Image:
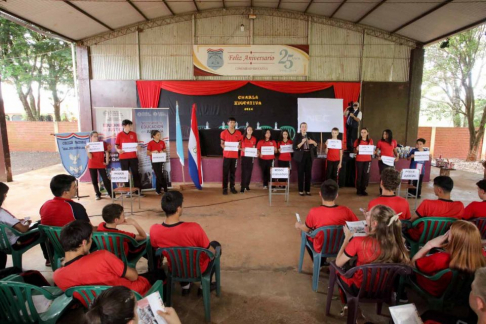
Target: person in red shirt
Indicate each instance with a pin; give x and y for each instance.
(97, 162)
(266, 160)
(442, 207)
(462, 250)
(390, 180)
(173, 232)
(387, 146)
(157, 145)
(102, 267)
(248, 141)
(477, 209)
(230, 156)
(363, 163)
(334, 157)
(284, 159)
(128, 160)
(382, 244)
(328, 214)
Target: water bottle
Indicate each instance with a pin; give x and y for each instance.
(258, 125)
(236, 125)
(247, 124)
(222, 125)
(207, 125)
(276, 127)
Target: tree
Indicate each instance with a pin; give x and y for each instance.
(450, 82)
(30, 60)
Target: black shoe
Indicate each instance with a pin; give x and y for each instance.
(233, 191)
(364, 193)
(212, 286)
(403, 298)
(186, 292)
(247, 188)
(225, 191)
(242, 190)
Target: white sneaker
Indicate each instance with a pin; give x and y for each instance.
(265, 187)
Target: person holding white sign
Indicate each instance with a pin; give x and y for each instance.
(363, 162)
(248, 141)
(230, 156)
(266, 151)
(97, 162)
(387, 148)
(419, 147)
(128, 160)
(284, 158)
(304, 154)
(157, 145)
(334, 151)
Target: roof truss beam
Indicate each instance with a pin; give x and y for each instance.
(195, 5)
(308, 6)
(337, 9)
(169, 8)
(428, 12)
(474, 24)
(370, 11)
(88, 15)
(138, 10)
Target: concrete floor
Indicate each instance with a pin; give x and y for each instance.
(260, 281)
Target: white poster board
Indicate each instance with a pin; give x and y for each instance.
(421, 156)
(388, 160)
(129, 147)
(268, 150)
(279, 173)
(159, 157)
(251, 152)
(321, 114)
(119, 176)
(366, 149)
(231, 146)
(96, 147)
(286, 148)
(410, 174)
(334, 144)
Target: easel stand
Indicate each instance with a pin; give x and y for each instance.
(77, 191)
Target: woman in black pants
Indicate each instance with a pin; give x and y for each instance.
(248, 141)
(387, 147)
(97, 164)
(304, 154)
(157, 145)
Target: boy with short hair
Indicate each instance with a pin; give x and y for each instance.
(230, 157)
(419, 147)
(334, 157)
(390, 180)
(477, 209)
(442, 207)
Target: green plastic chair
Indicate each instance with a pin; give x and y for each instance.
(266, 127)
(433, 227)
(221, 127)
(17, 306)
(333, 239)
(56, 253)
(114, 242)
(481, 225)
(187, 269)
(6, 247)
(289, 129)
(86, 294)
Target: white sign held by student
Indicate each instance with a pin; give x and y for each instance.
(421, 156)
(268, 150)
(280, 173)
(159, 157)
(366, 149)
(96, 147)
(357, 228)
(405, 314)
(129, 147)
(119, 176)
(388, 160)
(334, 144)
(251, 152)
(286, 148)
(410, 174)
(231, 146)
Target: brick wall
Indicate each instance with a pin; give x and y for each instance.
(36, 136)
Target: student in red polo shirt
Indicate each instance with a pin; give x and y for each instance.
(266, 161)
(284, 159)
(390, 180)
(97, 164)
(172, 232)
(442, 207)
(363, 163)
(157, 145)
(229, 156)
(128, 160)
(334, 157)
(461, 250)
(102, 267)
(248, 141)
(328, 214)
(477, 209)
(387, 146)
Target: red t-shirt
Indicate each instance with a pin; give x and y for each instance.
(285, 156)
(250, 143)
(228, 137)
(59, 212)
(155, 146)
(102, 228)
(266, 143)
(386, 149)
(436, 208)
(123, 137)
(181, 234)
(97, 159)
(430, 265)
(327, 216)
(367, 250)
(333, 154)
(97, 268)
(475, 209)
(398, 204)
(359, 157)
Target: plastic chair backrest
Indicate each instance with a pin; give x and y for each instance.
(481, 225)
(113, 242)
(266, 127)
(433, 227)
(332, 240)
(5, 245)
(184, 262)
(53, 233)
(86, 294)
(290, 129)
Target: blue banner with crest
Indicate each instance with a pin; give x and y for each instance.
(72, 149)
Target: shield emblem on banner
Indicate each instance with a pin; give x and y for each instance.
(215, 58)
(73, 153)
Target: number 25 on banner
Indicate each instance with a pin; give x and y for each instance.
(286, 59)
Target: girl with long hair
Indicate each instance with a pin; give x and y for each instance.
(97, 162)
(266, 160)
(157, 145)
(284, 159)
(248, 141)
(387, 147)
(363, 163)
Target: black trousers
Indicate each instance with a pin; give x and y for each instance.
(160, 181)
(229, 168)
(284, 164)
(246, 171)
(362, 175)
(332, 170)
(414, 183)
(304, 175)
(265, 165)
(351, 136)
(94, 180)
(132, 164)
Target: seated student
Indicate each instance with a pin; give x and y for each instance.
(20, 225)
(419, 147)
(82, 268)
(462, 250)
(113, 216)
(477, 298)
(382, 244)
(477, 209)
(172, 232)
(328, 214)
(118, 305)
(390, 180)
(61, 209)
(442, 207)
